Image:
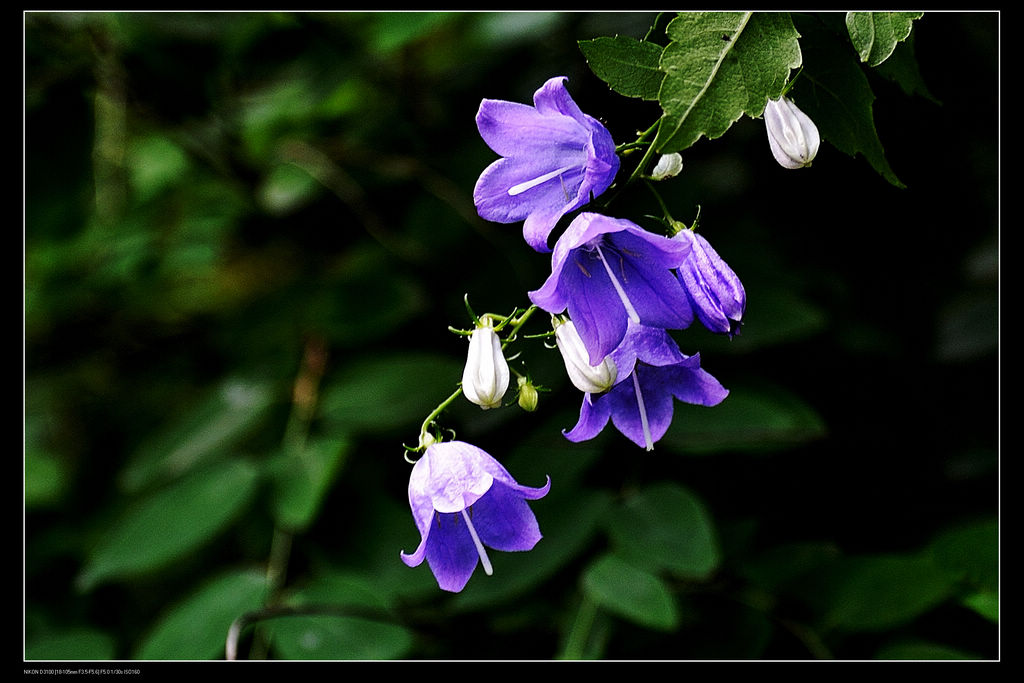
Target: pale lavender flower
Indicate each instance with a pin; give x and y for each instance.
(462, 500)
(554, 160)
(608, 272)
(792, 135)
(714, 290)
(654, 372)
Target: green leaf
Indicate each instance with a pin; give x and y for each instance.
(875, 34)
(155, 163)
(197, 627)
(629, 66)
(568, 523)
(171, 522)
(881, 592)
(921, 650)
(719, 66)
(384, 392)
(749, 419)
(984, 603)
(83, 644)
(666, 527)
(634, 594)
(902, 68)
(834, 92)
(970, 553)
(300, 481)
(202, 433)
(329, 637)
(287, 187)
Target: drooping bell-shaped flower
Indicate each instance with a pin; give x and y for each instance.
(463, 502)
(792, 135)
(486, 375)
(654, 372)
(554, 159)
(591, 379)
(714, 290)
(608, 272)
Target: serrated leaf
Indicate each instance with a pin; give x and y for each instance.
(629, 66)
(666, 527)
(718, 67)
(875, 34)
(631, 593)
(197, 627)
(834, 92)
(171, 522)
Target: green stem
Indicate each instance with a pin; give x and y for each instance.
(638, 171)
(576, 642)
(661, 203)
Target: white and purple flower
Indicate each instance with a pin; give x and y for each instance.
(653, 372)
(792, 135)
(463, 502)
(610, 272)
(554, 160)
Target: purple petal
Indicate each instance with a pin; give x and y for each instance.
(657, 403)
(594, 416)
(451, 554)
(642, 267)
(553, 98)
(495, 193)
(504, 520)
(691, 384)
(512, 129)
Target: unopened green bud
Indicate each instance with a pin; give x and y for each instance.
(527, 395)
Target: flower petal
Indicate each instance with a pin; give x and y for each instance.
(451, 554)
(594, 414)
(504, 520)
(691, 384)
(512, 129)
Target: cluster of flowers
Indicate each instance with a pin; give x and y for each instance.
(614, 291)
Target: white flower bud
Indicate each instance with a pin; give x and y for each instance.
(791, 133)
(587, 378)
(485, 378)
(668, 166)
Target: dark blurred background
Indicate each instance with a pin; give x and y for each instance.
(246, 236)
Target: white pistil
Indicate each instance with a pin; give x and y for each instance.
(633, 315)
(530, 184)
(648, 441)
(484, 560)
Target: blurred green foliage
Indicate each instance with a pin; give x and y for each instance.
(245, 237)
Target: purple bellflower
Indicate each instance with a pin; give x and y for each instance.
(554, 159)
(462, 500)
(714, 290)
(609, 272)
(654, 371)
